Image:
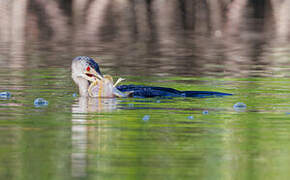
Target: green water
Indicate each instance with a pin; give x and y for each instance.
(79, 138)
(232, 46)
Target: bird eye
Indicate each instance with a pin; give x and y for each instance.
(88, 68)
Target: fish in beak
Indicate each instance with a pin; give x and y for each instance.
(106, 88)
(87, 75)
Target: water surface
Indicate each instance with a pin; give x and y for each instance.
(239, 47)
(80, 138)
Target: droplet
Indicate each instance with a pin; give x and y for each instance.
(5, 95)
(218, 33)
(205, 112)
(146, 118)
(190, 117)
(239, 106)
(39, 102)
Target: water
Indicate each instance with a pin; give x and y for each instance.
(71, 137)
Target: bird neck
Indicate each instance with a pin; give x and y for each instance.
(83, 87)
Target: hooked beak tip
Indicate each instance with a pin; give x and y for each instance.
(99, 76)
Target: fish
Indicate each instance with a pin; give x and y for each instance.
(106, 88)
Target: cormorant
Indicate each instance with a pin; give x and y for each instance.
(88, 77)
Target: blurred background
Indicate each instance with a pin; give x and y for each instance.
(149, 37)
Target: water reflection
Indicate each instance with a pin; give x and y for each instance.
(156, 37)
(80, 132)
(79, 143)
(88, 105)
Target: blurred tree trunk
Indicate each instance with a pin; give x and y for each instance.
(5, 20)
(189, 14)
(269, 20)
(79, 9)
(17, 38)
(235, 17)
(96, 18)
(56, 19)
(12, 30)
(201, 25)
(282, 18)
(19, 11)
(215, 13)
(142, 20)
(125, 20)
(167, 22)
(237, 49)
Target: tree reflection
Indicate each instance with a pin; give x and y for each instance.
(179, 37)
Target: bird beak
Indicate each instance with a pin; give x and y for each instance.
(92, 75)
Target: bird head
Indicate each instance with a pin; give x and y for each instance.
(84, 71)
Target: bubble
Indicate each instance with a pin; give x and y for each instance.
(39, 102)
(218, 33)
(190, 117)
(146, 118)
(239, 106)
(5, 95)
